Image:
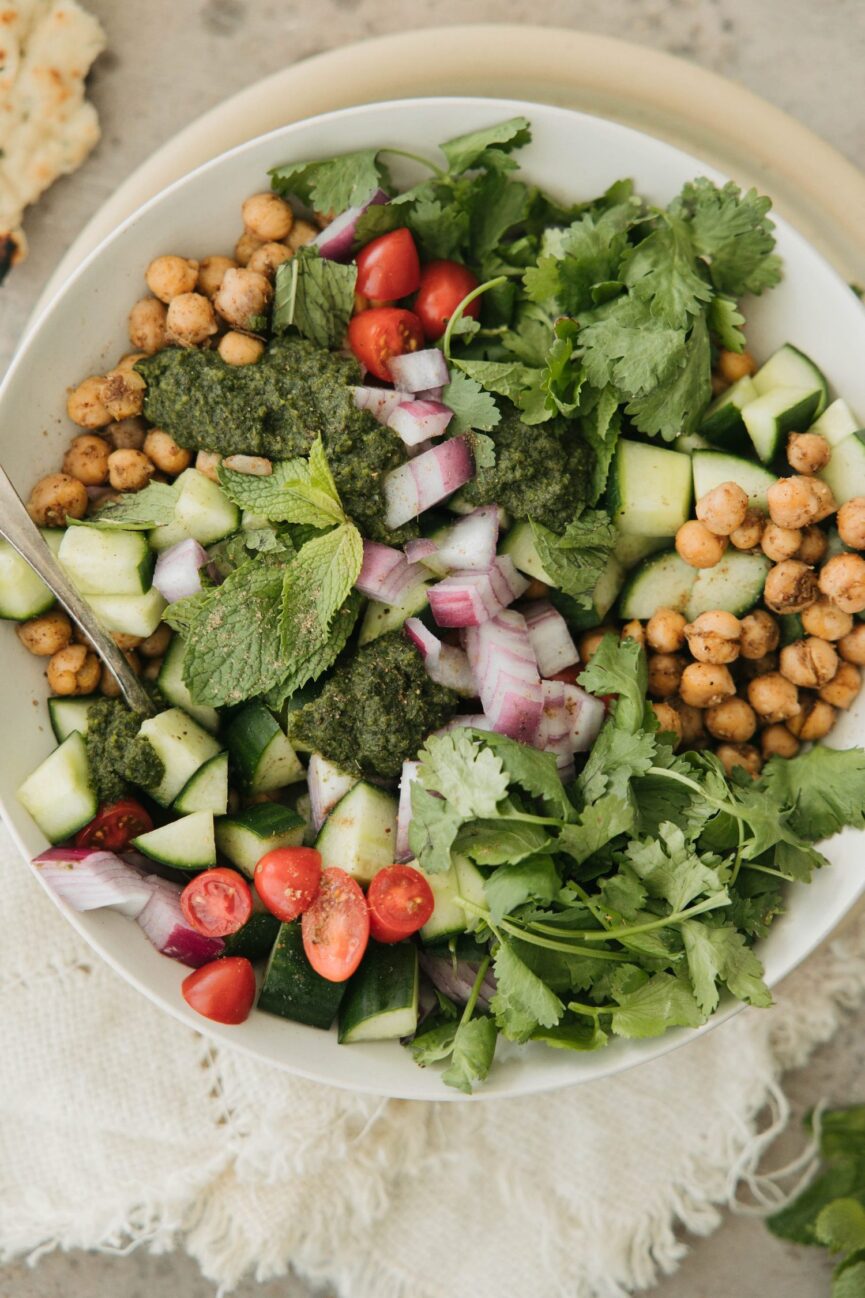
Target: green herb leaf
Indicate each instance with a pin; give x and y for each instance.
(523, 1002)
(477, 148)
(683, 391)
(600, 822)
(619, 667)
(135, 511)
(297, 491)
(629, 347)
(731, 231)
(662, 273)
(317, 582)
(822, 789)
(576, 559)
(473, 408)
(495, 842)
(316, 296)
(474, 1046)
(510, 886)
(334, 183)
(661, 1003)
(433, 828)
(464, 772)
(308, 666)
(725, 320)
(433, 1044)
(671, 870)
(534, 771)
(721, 954)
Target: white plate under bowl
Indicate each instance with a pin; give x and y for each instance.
(82, 331)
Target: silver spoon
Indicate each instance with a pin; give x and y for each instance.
(23, 535)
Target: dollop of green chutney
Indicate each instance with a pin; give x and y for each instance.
(277, 407)
(117, 754)
(375, 711)
(540, 471)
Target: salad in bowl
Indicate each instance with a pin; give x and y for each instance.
(494, 599)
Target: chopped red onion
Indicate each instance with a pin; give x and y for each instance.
(386, 574)
(466, 599)
(177, 572)
(470, 544)
(430, 394)
(586, 715)
(403, 820)
(336, 241)
(379, 402)
(423, 482)
(550, 637)
(504, 666)
(326, 784)
(455, 979)
(419, 371)
(421, 549)
(445, 664)
(418, 421)
(163, 923)
(89, 880)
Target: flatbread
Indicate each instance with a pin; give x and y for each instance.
(47, 128)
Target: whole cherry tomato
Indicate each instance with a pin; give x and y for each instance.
(443, 285)
(388, 268)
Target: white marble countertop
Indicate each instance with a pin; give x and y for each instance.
(166, 63)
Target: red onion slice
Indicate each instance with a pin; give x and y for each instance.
(455, 979)
(88, 880)
(430, 394)
(550, 637)
(386, 574)
(586, 715)
(504, 666)
(403, 819)
(378, 402)
(177, 572)
(326, 784)
(467, 599)
(419, 371)
(470, 544)
(418, 421)
(445, 664)
(336, 241)
(424, 481)
(420, 550)
(162, 922)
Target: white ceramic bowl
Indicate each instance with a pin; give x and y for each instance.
(83, 331)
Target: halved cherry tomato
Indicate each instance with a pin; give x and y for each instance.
(383, 331)
(336, 927)
(388, 268)
(217, 902)
(443, 285)
(115, 826)
(400, 902)
(222, 990)
(287, 880)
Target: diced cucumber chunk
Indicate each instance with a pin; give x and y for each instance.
(22, 594)
(463, 881)
(381, 1001)
(520, 545)
(687, 443)
(629, 550)
(604, 596)
(836, 422)
(59, 795)
(187, 844)
(359, 835)
(183, 747)
(649, 490)
(292, 988)
(166, 535)
(257, 937)
(248, 836)
(845, 472)
(775, 414)
(378, 618)
(106, 563)
(722, 423)
(129, 614)
(790, 368)
(173, 687)
(70, 714)
(264, 758)
(661, 581)
(711, 468)
(203, 510)
(735, 584)
(207, 789)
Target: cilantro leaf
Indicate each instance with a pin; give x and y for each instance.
(661, 1003)
(619, 667)
(535, 771)
(823, 790)
(332, 184)
(683, 390)
(477, 148)
(671, 870)
(662, 273)
(575, 260)
(576, 559)
(316, 296)
(495, 842)
(433, 1044)
(135, 511)
(472, 407)
(523, 1001)
(616, 757)
(599, 823)
(473, 1049)
(722, 954)
(509, 379)
(629, 347)
(725, 319)
(433, 828)
(733, 234)
(600, 422)
(467, 774)
(316, 583)
(510, 886)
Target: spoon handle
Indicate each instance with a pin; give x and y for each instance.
(23, 535)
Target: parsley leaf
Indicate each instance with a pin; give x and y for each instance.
(334, 183)
(479, 148)
(135, 511)
(316, 296)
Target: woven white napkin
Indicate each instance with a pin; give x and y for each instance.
(119, 1126)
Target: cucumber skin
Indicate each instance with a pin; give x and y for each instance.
(292, 989)
(247, 735)
(386, 981)
(257, 937)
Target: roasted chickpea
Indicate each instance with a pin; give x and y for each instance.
(665, 673)
(733, 720)
(210, 273)
(669, 720)
(56, 498)
(778, 741)
(733, 366)
(747, 535)
(634, 631)
(169, 276)
(798, 501)
(714, 637)
(750, 668)
(157, 642)
(74, 670)
(151, 669)
(842, 689)
(245, 247)
(126, 434)
(190, 320)
(773, 697)
(125, 641)
(537, 589)
(698, 546)
(207, 462)
(267, 216)
(254, 466)
(723, 509)
(705, 684)
(47, 634)
(791, 586)
(87, 459)
(147, 325)
(813, 545)
(243, 294)
(778, 543)
(823, 619)
(809, 663)
(745, 755)
(268, 257)
(842, 579)
(693, 729)
(85, 405)
(590, 640)
(851, 523)
(808, 452)
(129, 470)
(123, 393)
(301, 232)
(165, 453)
(239, 349)
(108, 685)
(665, 631)
(814, 721)
(851, 647)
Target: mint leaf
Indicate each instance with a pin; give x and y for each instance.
(474, 1046)
(310, 662)
(523, 1001)
(510, 886)
(334, 183)
(478, 148)
(683, 390)
(472, 407)
(316, 584)
(732, 233)
(661, 1003)
(315, 295)
(297, 491)
(822, 789)
(135, 511)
